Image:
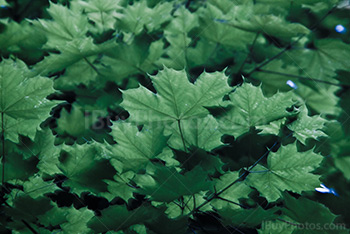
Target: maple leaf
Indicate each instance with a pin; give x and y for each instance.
(307, 127)
(23, 103)
(250, 108)
(287, 169)
(176, 98)
(66, 25)
(103, 13)
(176, 33)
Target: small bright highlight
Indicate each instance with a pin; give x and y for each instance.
(340, 29)
(324, 189)
(291, 84)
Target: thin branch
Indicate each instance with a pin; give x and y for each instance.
(273, 57)
(194, 202)
(290, 223)
(302, 77)
(249, 54)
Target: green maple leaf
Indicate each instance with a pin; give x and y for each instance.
(23, 103)
(166, 184)
(66, 25)
(135, 149)
(176, 33)
(307, 127)
(103, 13)
(176, 99)
(86, 167)
(287, 169)
(250, 108)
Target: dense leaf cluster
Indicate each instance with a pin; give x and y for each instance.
(158, 116)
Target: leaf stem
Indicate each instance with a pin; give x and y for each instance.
(181, 134)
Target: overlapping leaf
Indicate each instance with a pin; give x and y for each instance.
(287, 169)
(250, 108)
(23, 103)
(307, 127)
(176, 98)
